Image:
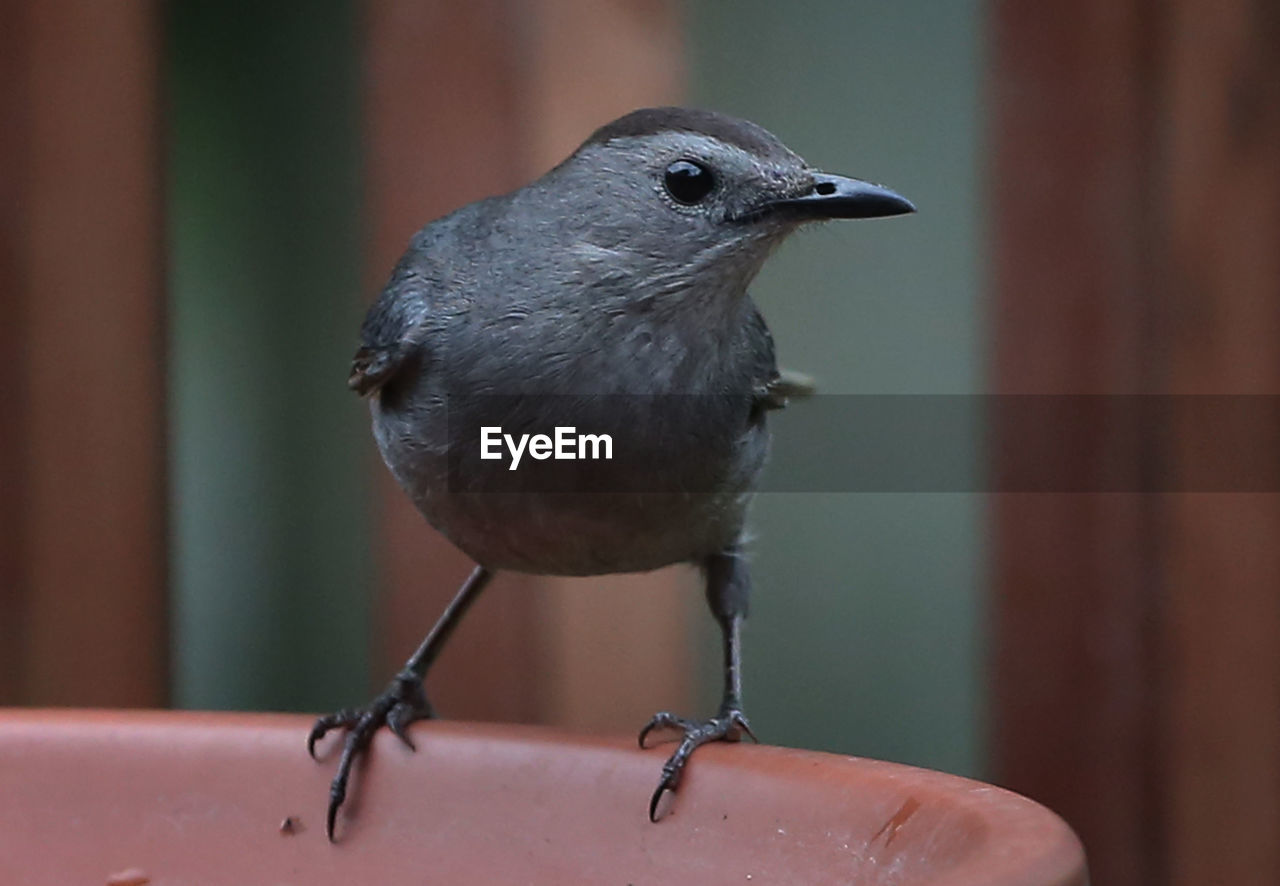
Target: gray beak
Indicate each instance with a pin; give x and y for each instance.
(834, 196)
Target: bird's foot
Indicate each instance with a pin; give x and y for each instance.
(401, 703)
(728, 725)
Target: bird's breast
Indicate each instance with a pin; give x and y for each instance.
(500, 441)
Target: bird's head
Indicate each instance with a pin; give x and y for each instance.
(693, 197)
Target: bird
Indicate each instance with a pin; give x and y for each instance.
(608, 295)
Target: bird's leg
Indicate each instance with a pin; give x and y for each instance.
(401, 703)
(728, 586)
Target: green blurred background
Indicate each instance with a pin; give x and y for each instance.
(864, 631)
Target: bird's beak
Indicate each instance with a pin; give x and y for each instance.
(834, 196)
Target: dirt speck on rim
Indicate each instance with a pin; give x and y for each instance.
(129, 877)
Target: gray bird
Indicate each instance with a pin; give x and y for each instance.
(610, 296)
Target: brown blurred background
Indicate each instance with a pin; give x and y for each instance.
(197, 199)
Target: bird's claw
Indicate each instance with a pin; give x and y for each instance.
(400, 704)
(729, 725)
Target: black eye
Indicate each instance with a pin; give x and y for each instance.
(688, 182)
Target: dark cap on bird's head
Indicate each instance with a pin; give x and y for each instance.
(743, 134)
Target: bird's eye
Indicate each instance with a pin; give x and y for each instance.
(688, 182)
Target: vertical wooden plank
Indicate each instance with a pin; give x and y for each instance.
(1073, 574)
(1222, 718)
(445, 127)
(1138, 657)
(590, 63)
(617, 648)
(13, 126)
(86, 238)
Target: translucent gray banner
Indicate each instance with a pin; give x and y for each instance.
(868, 443)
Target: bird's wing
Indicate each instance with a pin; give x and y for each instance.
(371, 367)
(388, 335)
(774, 386)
